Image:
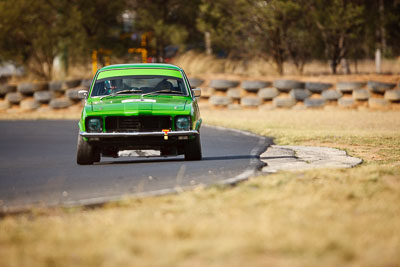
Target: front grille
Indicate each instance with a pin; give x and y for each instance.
(137, 123)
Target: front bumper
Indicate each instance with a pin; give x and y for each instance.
(138, 134)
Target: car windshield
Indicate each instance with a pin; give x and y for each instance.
(139, 85)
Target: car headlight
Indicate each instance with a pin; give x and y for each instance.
(94, 125)
(182, 123)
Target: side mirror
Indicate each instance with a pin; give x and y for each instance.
(83, 94)
(197, 92)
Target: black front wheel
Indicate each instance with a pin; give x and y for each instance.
(86, 154)
(193, 149)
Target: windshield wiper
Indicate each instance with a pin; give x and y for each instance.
(128, 91)
(163, 91)
(122, 92)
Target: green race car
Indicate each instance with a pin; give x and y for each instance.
(139, 107)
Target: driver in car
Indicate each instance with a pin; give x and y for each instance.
(111, 86)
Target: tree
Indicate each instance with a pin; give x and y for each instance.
(339, 22)
(285, 30)
(275, 29)
(300, 38)
(29, 34)
(96, 24)
(392, 26)
(169, 22)
(227, 23)
(33, 33)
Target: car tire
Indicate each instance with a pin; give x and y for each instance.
(346, 102)
(193, 149)
(29, 104)
(251, 101)
(55, 86)
(380, 87)
(254, 86)
(317, 88)
(7, 88)
(349, 87)
(195, 82)
(219, 100)
(97, 156)
(287, 85)
(86, 154)
(283, 102)
(268, 93)
(314, 102)
(361, 94)
(73, 94)
(392, 95)
(30, 88)
(26, 88)
(206, 92)
(223, 84)
(43, 96)
(233, 93)
(4, 105)
(86, 83)
(60, 103)
(299, 94)
(72, 83)
(331, 95)
(14, 98)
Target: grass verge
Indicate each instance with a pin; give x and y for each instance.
(310, 218)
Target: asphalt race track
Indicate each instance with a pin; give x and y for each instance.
(38, 166)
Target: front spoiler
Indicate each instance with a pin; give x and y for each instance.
(138, 134)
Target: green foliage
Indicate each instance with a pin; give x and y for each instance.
(392, 26)
(276, 28)
(339, 23)
(301, 30)
(29, 34)
(226, 21)
(169, 22)
(33, 33)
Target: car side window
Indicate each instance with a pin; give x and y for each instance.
(98, 89)
(175, 85)
(173, 82)
(185, 78)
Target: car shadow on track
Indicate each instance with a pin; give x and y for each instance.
(231, 157)
(175, 159)
(280, 157)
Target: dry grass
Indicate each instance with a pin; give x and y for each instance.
(365, 133)
(208, 67)
(314, 218)
(196, 64)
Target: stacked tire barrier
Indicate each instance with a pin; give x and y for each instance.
(294, 94)
(36, 95)
(230, 94)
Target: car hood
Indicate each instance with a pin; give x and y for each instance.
(137, 105)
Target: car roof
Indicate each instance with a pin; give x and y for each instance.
(140, 66)
(139, 69)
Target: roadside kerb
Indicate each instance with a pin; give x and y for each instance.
(299, 158)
